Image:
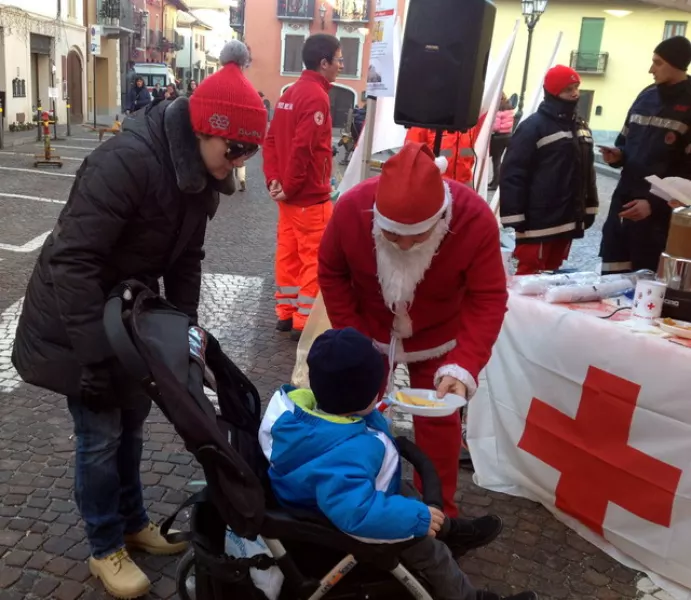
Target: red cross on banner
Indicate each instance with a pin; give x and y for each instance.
(592, 453)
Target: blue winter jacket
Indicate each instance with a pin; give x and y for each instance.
(656, 140)
(138, 98)
(346, 467)
(547, 180)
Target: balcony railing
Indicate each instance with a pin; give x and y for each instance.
(171, 41)
(296, 9)
(115, 13)
(351, 11)
(237, 15)
(589, 63)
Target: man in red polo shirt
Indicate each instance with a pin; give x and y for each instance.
(297, 164)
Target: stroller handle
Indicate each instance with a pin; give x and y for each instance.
(431, 484)
(124, 349)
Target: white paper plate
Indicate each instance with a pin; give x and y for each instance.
(681, 332)
(451, 402)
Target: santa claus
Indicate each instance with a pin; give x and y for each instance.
(414, 262)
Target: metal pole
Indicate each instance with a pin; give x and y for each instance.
(93, 57)
(437, 142)
(39, 110)
(54, 102)
(67, 104)
(524, 85)
(367, 137)
(2, 125)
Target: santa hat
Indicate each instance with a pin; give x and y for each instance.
(411, 195)
(560, 77)
(226, 104)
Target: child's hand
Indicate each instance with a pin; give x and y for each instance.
(437, 520)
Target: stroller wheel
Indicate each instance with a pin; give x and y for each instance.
(184, 576)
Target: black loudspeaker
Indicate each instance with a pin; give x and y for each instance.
(444, 63)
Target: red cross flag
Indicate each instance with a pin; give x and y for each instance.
(593, 421)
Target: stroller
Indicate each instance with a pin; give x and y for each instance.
(174, 360)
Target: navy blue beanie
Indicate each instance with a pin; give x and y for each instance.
(346, 371)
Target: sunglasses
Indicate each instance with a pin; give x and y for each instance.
(242, 150)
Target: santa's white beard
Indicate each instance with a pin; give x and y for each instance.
(400, 271)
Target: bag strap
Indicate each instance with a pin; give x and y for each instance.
(182, 536)
(222, 567)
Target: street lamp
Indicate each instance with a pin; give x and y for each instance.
(532, 11)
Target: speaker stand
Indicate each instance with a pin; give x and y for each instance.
(437, 142)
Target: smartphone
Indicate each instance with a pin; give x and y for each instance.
(610, 148)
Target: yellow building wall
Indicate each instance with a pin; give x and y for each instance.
(629, 40)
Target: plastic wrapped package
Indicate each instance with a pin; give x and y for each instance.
(536, 285)
(588, 292)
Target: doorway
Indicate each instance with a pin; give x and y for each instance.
(585, 105)
(75, 92)
(342, 100)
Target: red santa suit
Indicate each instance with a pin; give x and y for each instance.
(441, 302)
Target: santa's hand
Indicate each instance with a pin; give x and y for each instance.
(451, 385)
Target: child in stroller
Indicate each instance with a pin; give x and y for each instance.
(330, 451)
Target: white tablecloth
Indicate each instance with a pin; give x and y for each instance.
(593, 421)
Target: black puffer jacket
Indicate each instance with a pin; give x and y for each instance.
(138, 209)
(548, 182)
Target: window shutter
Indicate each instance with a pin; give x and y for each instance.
(350, 47)
(292, 60)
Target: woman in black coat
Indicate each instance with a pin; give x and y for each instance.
(138, 210)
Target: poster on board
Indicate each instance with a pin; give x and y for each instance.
(381, 81)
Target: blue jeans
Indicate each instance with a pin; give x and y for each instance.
(107, 486)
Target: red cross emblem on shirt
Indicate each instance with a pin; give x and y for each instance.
(596, 462)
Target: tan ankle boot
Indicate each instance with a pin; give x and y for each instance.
(119, 575)
(150, 540)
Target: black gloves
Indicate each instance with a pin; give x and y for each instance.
(97, 386)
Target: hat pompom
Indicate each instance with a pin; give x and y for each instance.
(442, 164)
(235, 52)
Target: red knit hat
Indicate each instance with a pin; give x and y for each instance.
(411, 195)
(226, 104)
(560, 77)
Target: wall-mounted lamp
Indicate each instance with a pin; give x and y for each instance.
(322, 14)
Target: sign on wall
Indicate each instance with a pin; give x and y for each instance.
(381, 81)
(95, 31)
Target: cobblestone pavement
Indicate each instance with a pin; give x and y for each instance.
(42, 545)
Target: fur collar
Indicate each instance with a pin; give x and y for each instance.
(191, 174)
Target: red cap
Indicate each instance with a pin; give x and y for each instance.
(411, 195)
(560, 77)
(226, 105)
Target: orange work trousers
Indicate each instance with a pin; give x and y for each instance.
(300, 231)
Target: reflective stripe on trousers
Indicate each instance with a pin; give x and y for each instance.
(300, 230)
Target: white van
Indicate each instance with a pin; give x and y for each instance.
(153, 73)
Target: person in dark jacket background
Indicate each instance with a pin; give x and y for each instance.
(138, 209)
(656, 140)
(547, 181)
(138, 96)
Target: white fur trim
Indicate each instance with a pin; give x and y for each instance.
(387, 224)
(418, 355)
(457, 372)
(442, 163)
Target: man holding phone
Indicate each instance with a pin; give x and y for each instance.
(656, 140)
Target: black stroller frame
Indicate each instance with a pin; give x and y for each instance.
(174, 360)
